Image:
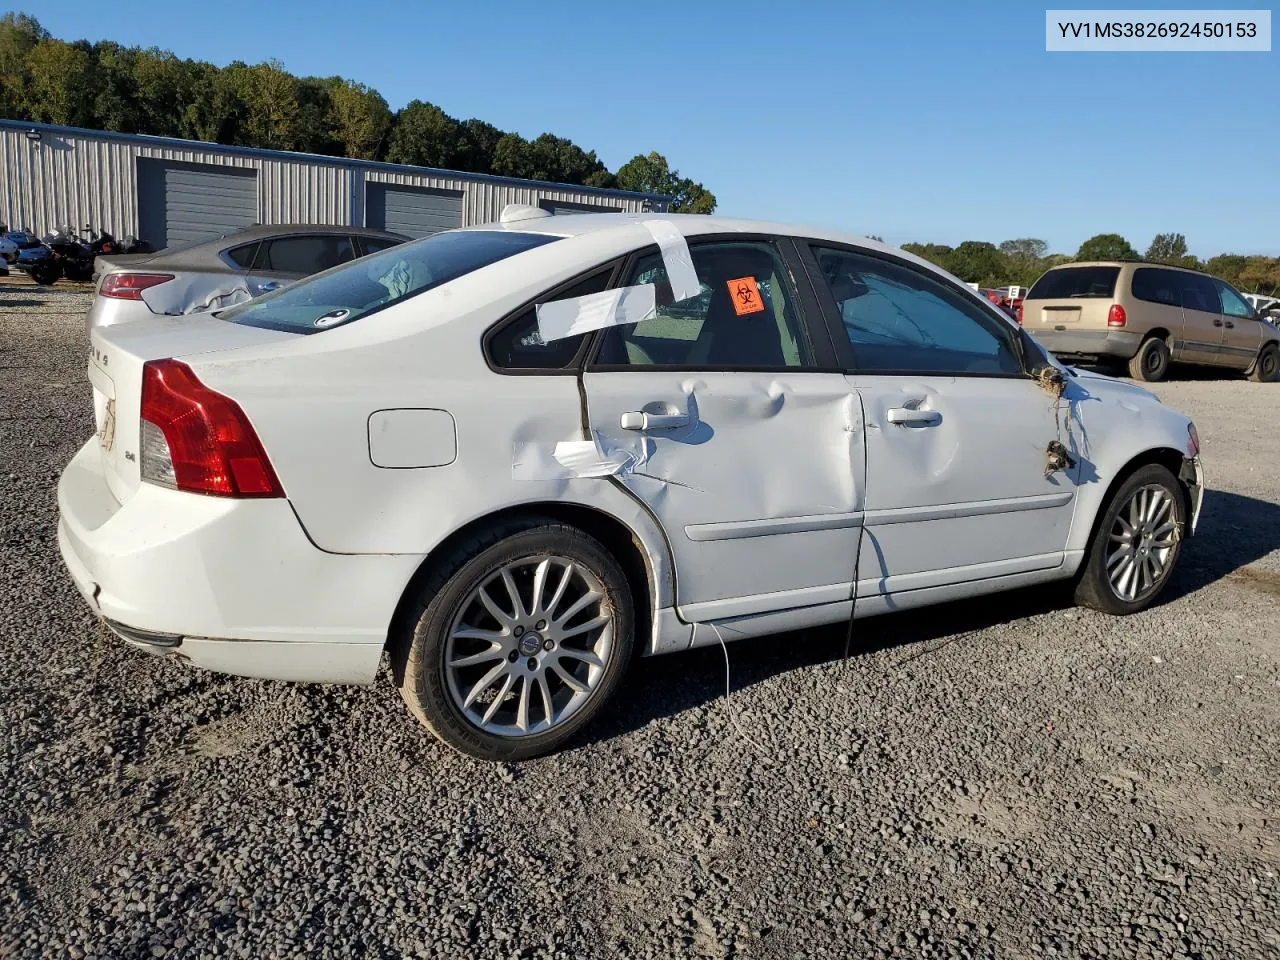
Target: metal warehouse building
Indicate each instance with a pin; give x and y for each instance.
(170, 191)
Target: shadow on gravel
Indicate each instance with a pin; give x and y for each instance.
(1234, 532)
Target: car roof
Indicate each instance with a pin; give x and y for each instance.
(693, 225)
(207, 251)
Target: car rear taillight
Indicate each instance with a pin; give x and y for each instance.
(197, 440)
(1116, 316)
(1018, 311)
(129, 286)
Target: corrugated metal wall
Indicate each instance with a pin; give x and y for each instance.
(66, 178)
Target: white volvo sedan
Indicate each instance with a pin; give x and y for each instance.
(513, 456)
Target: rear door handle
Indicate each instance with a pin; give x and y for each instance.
(639, 420)
(1217, 322)
(1229, 324)
(924, 418)
(269, 286)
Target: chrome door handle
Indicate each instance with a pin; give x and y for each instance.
(639, 420)
(268, 286)
(924, 418)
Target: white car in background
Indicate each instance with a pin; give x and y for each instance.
(511, 455)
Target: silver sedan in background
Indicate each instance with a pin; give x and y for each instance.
(217, 273)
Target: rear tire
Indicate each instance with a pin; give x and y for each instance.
(1135, 545)
(1266, 369)
(1151, 363)
(507, 655)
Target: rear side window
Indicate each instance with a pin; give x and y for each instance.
(517, 345)
(1158, 286)
(378, 244)
(305, 255)
(1070, 283)
(242, 256)
(375, 282)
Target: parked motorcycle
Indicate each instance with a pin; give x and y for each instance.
(59, 254)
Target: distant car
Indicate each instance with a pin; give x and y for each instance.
(499, 455)
(218, 273)
(1148, 314)
(8, 250)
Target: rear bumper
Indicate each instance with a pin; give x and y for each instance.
(230, 585)
(1122, 344)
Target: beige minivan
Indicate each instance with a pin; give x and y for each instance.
(1147, 315)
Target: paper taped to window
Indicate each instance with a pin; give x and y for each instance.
(568, 318)
(676, 258)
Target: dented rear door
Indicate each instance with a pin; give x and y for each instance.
(747, 452)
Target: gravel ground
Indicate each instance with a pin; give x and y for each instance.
(1008, 777)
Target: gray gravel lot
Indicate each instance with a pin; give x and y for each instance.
(1008, 777)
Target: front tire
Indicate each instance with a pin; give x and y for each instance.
(1266, 369)
(1135, 545)
(1151, 363)
(518, 640)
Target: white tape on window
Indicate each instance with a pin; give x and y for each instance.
(568, 318)
(675, 257)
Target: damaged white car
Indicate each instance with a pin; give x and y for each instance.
(513, 456)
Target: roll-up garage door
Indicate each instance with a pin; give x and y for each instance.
(187, 202)
(413, 211)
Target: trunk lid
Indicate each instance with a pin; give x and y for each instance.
(117, 355)
(1072, 297)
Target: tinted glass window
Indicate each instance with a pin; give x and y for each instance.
(1199, 293)
(1075, 283)
(745, 316)
(518, 345)
(899, 320)
(376, 244)
(242, 256)
(1233, 305)
(365, 286)
(1158, 286)
(306, 255)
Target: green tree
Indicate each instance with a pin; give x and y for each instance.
(939, 254)
(1025, 258)
(479, 140)
(1227, 266)
(60, 83)
(547, 157)
(424, 135)
(19, 35)
(315, 106)
(1106, 246)
(360, 119)
(1171, 248)
(114, 101)
(652, 173)
(1261, 275)
(975, 261)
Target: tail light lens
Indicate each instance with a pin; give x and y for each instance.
(129, 286)
(197, 440)
(1116, 316)
(1018, 311)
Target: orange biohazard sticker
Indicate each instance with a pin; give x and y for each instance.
(745, 296)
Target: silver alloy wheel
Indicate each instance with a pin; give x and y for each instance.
(1141, 542)
(529, 646)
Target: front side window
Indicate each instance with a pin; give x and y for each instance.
(361, 287)
(306, 254)
(1233, 305)
(745, 316)
(899, 320)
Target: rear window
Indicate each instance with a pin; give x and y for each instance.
(379, 280)
(1076, 282)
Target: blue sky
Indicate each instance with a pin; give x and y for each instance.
(931, 122)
